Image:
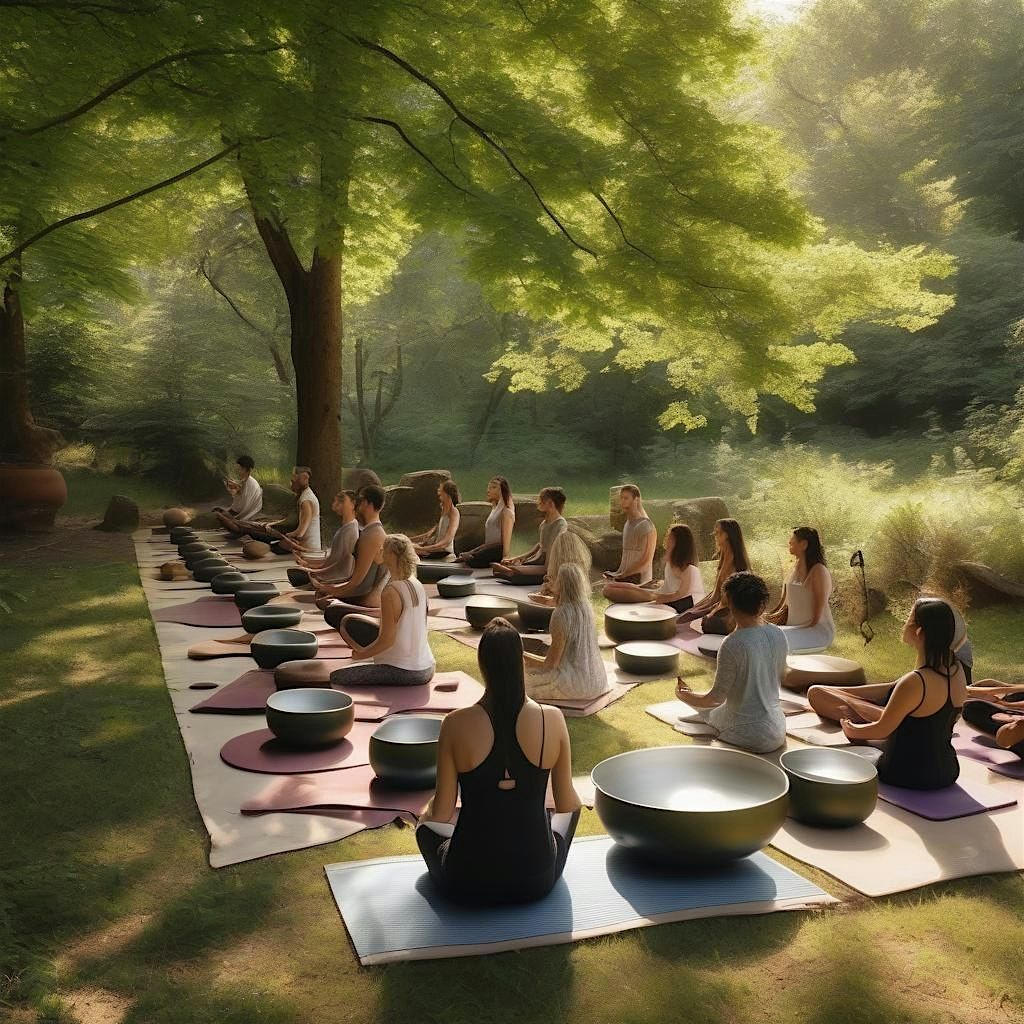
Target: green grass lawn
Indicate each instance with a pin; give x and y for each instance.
(107, 905)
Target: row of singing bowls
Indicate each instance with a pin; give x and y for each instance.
(298, 577)
(690, 805)
(535, 618)
(228, 581)
(432, 572)
(177, 532)
(310, 718)
(456, 586)
(403, 751)
(829, 788)
(205, 570)
(252, 595)
(193, 558)
(192, 547)
(273, 647)
(647, 658)
(625, 622)
(270, 616)
(482, 608)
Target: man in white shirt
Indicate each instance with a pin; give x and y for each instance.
(248, 498)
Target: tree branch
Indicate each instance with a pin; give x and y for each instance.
(278, 244)
(474, 127)
(618, 223)
(123, 201)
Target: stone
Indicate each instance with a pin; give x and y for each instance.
(280, 501)
(172, 571)
(122, 515)
(700, 514)
(528, 516)
(411, 505)
(359, 476)
(605, 548)
(174, 517)
(473, 517)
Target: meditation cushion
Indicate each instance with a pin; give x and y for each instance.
(173, 571)
(293, 674)
(806, 670)
(175, 517)
(254, 549)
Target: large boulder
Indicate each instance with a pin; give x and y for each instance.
(30, 496)
(359, 476)
(122, 515)
(473, 517)
(605, 548)
(988, 586)
(280, 501)
(528, 516)
(411, 504)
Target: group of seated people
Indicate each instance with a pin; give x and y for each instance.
(497, 756)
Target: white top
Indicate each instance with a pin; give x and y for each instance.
(443, 525)
(800, 600)
(689, 582)
(581, 672)
(492, 526)
(248, 502)
(312, 538)
(634, 537)
(411, 649)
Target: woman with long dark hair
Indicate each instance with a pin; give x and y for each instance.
(440, 542)
(682, 585)
(713, 611)
(497, 529)
(803, 612)
(498, 755)
(915, 715)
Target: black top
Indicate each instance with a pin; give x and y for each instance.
(502, 850)
(920, 754)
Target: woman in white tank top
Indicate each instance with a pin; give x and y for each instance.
(396, 650)
(440, 542)
(804, 613)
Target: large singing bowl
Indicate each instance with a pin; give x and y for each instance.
(252, 595)
(829, 788)
(310, 717)
(690, 805)
(274, 647)
(207, 568)
(228, 581)
(403, 751)
(482, 608)
(456, 586)
(647, 658)
(625, 622)
(535, 618)
(431, 572)
(270, 616)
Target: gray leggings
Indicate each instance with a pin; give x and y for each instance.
(365, 631)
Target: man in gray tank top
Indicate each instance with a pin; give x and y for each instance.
(639, 540)
(529, 568)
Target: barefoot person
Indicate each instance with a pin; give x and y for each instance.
(567, 549)
(497, 757)
(498, 528)
(682, 586)
(743, 705)
(573, 668)
(713, 611)
(247, 498)
(337, 564)
(639, 539)
(803, 612)
(529, 568)
(440, 542)
(395, 650)
(306, 535)
(916, 715)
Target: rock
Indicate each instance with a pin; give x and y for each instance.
(471, 524)
(595, 524)
(700, 514)
(173, 571)
(987, 586)
(171, 516)
(279, 501)
(122, 515)
(411, 505)
(30, 496)
(605, 548)
(528, 516)
(359, 476)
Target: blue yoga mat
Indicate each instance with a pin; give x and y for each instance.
(393, 912)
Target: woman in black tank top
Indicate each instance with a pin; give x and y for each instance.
(505, 847)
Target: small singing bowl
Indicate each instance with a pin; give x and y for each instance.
(270, 616)
(647, 658)
(456, 586)
(205, 570)
(177, 532)
(228, 582)
(481, 609)
(403, 751)
(310, 717)
(298, 577)
(433, 572)
(535, 618)
(690, 805)
(252, 595)
(273, 647)
(175, 517)
(625, 622)
(829, 788)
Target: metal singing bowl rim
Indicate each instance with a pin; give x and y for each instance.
(395, 724)
(641, 612)
(717, 753)
(861, 770)
(491, 601)
(646, 649)
(284, 637)
(332, 701)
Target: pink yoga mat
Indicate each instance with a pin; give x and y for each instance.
(351, 788)
(583, 709)
(958, 801)
(261, 751)
(212, 612)
(238, 647)
(467, 691)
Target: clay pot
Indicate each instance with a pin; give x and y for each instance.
(254, 549)
(173, 571)
(30, 496)
(176, 517)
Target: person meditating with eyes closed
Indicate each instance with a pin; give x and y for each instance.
(682, 585)
(639, 541)
(498, 528)
(531, 567)
(440, 542)
(247, 495)
(713, 611)
(803, 612)
(337, 564)
(505, 847)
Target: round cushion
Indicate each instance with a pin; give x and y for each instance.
(293, 674)
(253, 549)
(270, 616)
(176, 517)
(806, 670)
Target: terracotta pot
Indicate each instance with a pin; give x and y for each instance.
(175, 517)
(30, 496)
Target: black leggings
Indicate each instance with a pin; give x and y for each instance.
(981, 714)
(482, 557)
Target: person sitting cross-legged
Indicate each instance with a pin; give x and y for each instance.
(567, 548)
(639, 540)
(338, 562)
(498, 528)
(531, 567)
(247, 498)
(440, 542)
(682, 586)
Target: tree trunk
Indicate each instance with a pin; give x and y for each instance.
(20, 439)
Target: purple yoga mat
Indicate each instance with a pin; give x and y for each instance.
(212, 612)
(980, 747)
(261, 751)
(958, 801)
(687, 639)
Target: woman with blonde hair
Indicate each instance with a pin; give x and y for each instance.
(567, 549)
(573, 668)
(394, 651)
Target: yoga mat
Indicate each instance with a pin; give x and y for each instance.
(958, 801)
(673, 712)
(261, 751)
(894, 850)
(809, 728)
(236, 647)
(214, 612)
(393, 912)
(687, 639)
(583, 708)
(980, 747)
